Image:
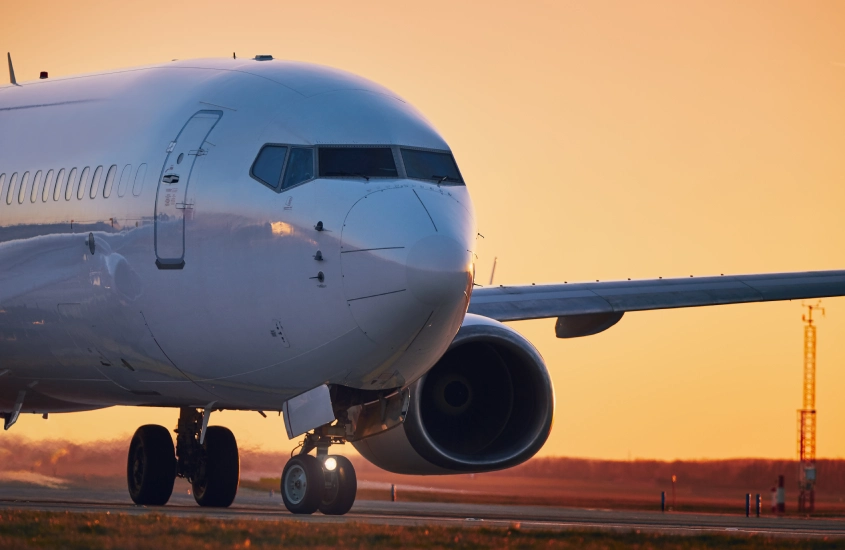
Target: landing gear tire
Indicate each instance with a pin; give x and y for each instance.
(339, 497)
(216, 482)
(303, 484)
(151, 467)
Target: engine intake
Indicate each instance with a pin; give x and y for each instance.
(486, 405)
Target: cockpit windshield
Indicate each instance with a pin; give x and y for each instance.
(431, 165)
(357, 162)
(283, 166)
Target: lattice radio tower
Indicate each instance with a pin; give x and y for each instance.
(807, 418)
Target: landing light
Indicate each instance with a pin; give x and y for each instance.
(330, 464)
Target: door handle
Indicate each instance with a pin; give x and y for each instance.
(170, 178)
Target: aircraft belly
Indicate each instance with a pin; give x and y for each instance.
(267, 388)
(34, 400)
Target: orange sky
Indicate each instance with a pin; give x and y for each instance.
(600, 140)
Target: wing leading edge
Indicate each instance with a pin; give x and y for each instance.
(603, 303)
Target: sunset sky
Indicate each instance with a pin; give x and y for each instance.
(599, 140)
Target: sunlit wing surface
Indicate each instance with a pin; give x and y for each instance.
(515, 303)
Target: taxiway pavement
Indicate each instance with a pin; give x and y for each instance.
(257, 505)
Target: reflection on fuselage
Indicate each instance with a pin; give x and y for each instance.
(255, 314)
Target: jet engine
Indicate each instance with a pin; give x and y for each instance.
(487, 404)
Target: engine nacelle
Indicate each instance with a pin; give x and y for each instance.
(486, 405)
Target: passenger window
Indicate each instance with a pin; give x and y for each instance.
(48, 185)
(357, 162)
(109, 181)
(268, 165)
(71, 181)
(139, 180)
(10, 194)
(23, 188)
(60, 181)
(300, 166)
(431, 165)
(2, 183)
(95, 182)
(125, 178)
(36, 182)
(83, 183)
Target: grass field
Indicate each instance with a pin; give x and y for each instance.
(107, 531)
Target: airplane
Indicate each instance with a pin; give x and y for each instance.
(276, 236)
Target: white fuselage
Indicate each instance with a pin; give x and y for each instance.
(245, 322)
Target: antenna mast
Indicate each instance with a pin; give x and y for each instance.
(807, 418)
(11, 70)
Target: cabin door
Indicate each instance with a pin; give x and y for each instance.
(172, 196)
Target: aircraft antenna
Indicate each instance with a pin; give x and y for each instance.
(493, 272)
(807, 417)
(11, 70)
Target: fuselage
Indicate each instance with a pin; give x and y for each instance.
(142, 262)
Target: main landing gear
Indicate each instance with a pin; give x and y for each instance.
(211, 466)
(325, 482)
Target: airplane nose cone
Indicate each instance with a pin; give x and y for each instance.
(437, 269)
(406, 264)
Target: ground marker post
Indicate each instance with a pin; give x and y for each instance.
(780, 497)
(392, 492)
(747, 504)
(759, 504)
(662, 501)
(674, 479)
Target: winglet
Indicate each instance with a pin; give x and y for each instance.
(11, 70)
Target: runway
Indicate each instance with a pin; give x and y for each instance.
(255, 505)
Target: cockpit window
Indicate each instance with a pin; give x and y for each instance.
(300, 166)
(357, 162)
(268, 166)
(431, 165)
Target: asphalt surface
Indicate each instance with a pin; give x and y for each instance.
(256, 505)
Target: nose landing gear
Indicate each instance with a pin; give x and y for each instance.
(325, 482)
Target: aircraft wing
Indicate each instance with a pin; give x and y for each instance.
(587, 308)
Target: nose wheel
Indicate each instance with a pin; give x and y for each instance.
(326, 482)
(341, 487)
(302, 484)
(310, 484)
